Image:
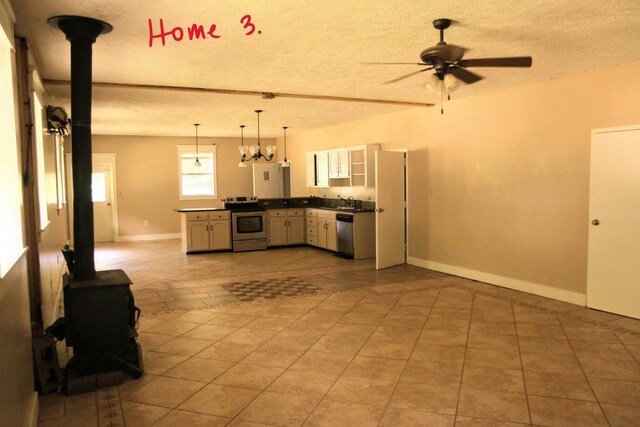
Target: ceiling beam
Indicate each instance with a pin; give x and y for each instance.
(264, 95)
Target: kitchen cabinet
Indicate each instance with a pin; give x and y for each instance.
(363, 165)
(345, 167)
(317, 172)
(339, 164)
(286, 227)
(321, 229)
(206, 231)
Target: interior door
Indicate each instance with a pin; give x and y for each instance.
(102, 196)
(390, 212)
(613, 272)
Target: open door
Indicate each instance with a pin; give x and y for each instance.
(103, 193)
(390, 212)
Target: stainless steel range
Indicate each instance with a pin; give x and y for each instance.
(248, 223)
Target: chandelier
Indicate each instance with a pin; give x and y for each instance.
(254, 152)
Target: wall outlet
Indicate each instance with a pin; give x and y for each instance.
(146, 223)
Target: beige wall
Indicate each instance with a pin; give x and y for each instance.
(499, 184)
(16, 375)
(147, 179)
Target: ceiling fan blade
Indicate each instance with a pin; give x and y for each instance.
(407, 75)
(444, 52)
(465, 75)
(396, 63)
(516, 61)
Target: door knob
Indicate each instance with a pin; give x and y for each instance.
(595, 222)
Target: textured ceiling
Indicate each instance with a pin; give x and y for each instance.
(311, 47)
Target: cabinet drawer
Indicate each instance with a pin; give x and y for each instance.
(327, 214)
(312, 231)
(311, 240)
(295, 212)
(219, 215)
(197, 216)
(312, 213)
(278, 212)
(312, 222)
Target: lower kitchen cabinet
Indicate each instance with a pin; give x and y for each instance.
(206, 231)
(321, 229)
(286, 227)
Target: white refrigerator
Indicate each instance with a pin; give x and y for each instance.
(268, 182)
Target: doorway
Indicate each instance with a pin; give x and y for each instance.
(613, 271)
(103, 193)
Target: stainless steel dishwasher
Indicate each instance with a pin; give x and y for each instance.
(344, 225)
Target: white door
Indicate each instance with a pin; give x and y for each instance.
(613, 272)
(267, 180)
(390, 213)
(101, 193)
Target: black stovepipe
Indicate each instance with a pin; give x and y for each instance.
(81, 33)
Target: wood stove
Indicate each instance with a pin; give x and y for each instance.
(100, 312)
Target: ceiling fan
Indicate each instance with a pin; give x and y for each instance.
(447, 60)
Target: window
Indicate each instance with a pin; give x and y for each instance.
(60, 173)
(98, 187)
(42, 183)
(11, 243)
(197, 182)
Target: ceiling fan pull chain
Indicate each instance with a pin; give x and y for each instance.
(441, 96)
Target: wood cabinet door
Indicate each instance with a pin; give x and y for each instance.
(197, 236)
(322, 233)
(331, 235)
(277, 231)
(220, 234)
(296, 234)
(344, 164)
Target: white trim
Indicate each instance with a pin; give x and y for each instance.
(615, 129)
(34, 410)
(143, 237)
(505, 282)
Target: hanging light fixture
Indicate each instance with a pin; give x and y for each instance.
(255, 151)
(439, 83)
(197, 162)
(244, 149)
(285, 163)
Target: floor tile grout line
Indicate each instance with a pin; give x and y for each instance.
(524, 381)
(386, 408)
(464, 359)
(584, 373)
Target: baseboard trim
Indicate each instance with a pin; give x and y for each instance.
(34, 410)
(505, 282)
(144, 237)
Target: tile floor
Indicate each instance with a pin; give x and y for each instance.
(398, 347)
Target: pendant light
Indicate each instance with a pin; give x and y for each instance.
(244, 149)
(197, 162)
(285, 163)
(255, 151)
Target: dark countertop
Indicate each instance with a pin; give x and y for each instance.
(185, 210)
(360, 210)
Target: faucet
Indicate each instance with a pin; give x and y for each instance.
(346, 201)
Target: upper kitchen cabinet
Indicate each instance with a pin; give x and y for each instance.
(318, 169)
(363, 165)
(346, 167)
(339, 164)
